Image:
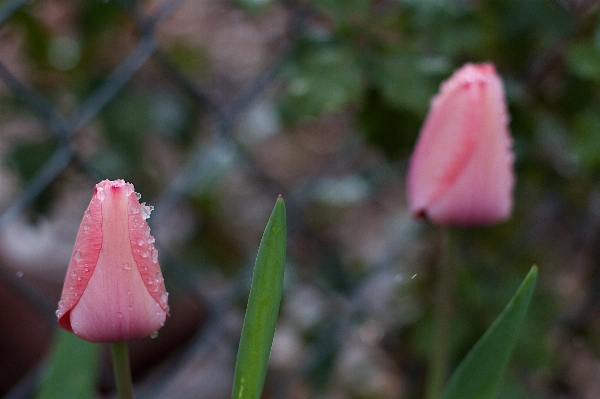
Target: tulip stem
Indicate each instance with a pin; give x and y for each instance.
(443, 307)
(122, 370)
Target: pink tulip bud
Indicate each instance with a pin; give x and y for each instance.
(114, 289)
(461, 171)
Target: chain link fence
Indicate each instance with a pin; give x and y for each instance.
(213, 108)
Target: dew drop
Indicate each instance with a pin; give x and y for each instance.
(73, 274)
(154, 255)
(154, 334)
(135, 210)
(149, 281)
(76, 294)
(101, 194)
(164, 296)
(87, 212)
(138, 196)
(78, 255)
(58, 313)
(158, 313)
(119, 314)
(87, 269)
(146, 210)
(151, 239)
(145, 268)
(144, 254)
(60, 304)
(126, 266)
(148, 231)
(140, 242)
(71, 287)
(129, 292)
(86, 227)
(130, 307)
(155, 288)
(78, 278)
(128, 189)
(159, 277)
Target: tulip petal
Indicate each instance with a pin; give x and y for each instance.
(83, 261)
(118, 300)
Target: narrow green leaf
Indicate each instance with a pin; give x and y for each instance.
(72, 368)
(263, 306)
(479, 375)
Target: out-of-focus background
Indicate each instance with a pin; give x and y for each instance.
(212, 108)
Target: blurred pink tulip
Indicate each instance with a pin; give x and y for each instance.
(114, 289)
(461, 171)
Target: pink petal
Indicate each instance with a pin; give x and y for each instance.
(461, 170)
(115, 299)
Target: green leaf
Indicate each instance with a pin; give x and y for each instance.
(479, 375)
(71, 369)
(263, 306)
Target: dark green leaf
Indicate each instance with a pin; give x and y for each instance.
(71, 369)
(480, 373)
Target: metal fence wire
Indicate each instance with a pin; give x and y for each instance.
(203, 161)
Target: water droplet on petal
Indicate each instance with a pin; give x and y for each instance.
(144, 254)
(154, 255)
(146, 210)
(151, 239)
(130, 307)
(101, 194)
(78, 255)
(158, 276)
(71, 287)
(145, 268)
(138, 196)
(119, 314)
(87, 269)
(164, 296)
(135, 210)
(140, 242)
(78, 278)
(76, 294)
(129, 292)
(73, 274)
(126, 266)
(149, 281)
(58, 313)
(86, 227)
(154, 334)
(60, 304)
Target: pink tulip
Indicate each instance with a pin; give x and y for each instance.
(114, 289)
(461, 171)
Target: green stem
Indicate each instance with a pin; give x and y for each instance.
(122, 370)
(440, 355)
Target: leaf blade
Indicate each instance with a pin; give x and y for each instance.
(262, 308)
(67, 376)
(480, 373)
